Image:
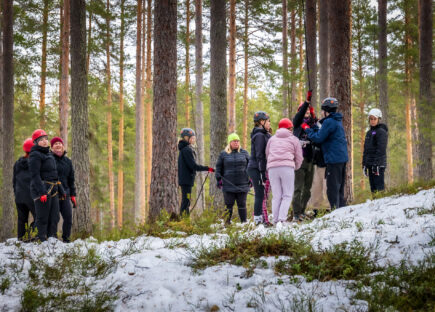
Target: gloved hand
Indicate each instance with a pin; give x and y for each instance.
(43, 198)
(210, 169)
(219, 184)
(250, 183)
(376, 170)
(263, 176)
(309, 94)
(73, 199)
(313, 115)
(366, 171)
(305, 126)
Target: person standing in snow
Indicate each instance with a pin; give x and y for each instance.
(375, 151)
(21, 184)
(257, 162)
(333, 141)
(284, 156)
(65, 171)
(304, 119)
(232, 177)
(187, 167)
(44, 186)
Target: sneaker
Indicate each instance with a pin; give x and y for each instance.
(297, 219)
(258, 220)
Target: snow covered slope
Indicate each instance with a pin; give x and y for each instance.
(152, 274)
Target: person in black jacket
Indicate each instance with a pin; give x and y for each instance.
(187, 167)
(305, 118)
(257, 162)
(375, 151)
(21, 184)
(65, 171)
(44, 186)
(232, 177)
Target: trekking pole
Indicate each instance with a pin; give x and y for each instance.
(249, 193)
(200, 192)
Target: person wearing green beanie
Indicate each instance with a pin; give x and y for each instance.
(232, 177)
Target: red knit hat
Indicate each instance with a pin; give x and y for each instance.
(54, 140)
(285, 123)
(27, 145)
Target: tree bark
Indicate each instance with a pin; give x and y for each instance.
(149, 103)
(139, 186)
(43, 65)
(218, 91)
(79, 118)
(232, 69)
(323, 50)
(311, 48)
(301, 57)
(382, 53)
(163, 179)
(187, 66)
(121, 121)
(340, 34)
(64, 74)
(199, 118)
(245, 77)
(293, 100)
(88, 55)
(425, 109)
(285, 109)
(7, 199)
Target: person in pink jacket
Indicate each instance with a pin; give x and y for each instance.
(284, 156)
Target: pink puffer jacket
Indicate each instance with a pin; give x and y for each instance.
(284, 149)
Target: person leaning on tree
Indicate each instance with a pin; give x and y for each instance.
(375, 151)
(333, 142)
(65, 171)
(187, 167)
(232, 178)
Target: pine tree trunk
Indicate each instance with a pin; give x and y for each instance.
(293, 100)
(149, 103)
(7, 198)
(232, 69)
(285, 104)
(199, 118)
(79, 118)
(121, 122)
(382, 53)
(1, 89)
(64, 74)
(311, 48)
(164, 180)
(109, 122)
(187, 66)
(323, 51)
(88, 55)
(361, 104)
(139, 186)
(425, 109)
(245, 77)
(301, 57)
(218, 91)
(43, 65)
(340, 34)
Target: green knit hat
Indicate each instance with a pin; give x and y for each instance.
(232, 137)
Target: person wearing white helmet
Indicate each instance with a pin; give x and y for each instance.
(375, 151)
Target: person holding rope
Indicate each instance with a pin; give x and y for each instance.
(44, 186)
(232, 178)
(187, 167)
(257, 162)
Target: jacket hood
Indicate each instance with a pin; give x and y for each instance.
(182, 144)
(258, 130)
(382, 126)
(283, 133)
(41, 149)
(336, 116)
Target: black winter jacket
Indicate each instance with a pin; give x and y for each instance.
(21, 181)
(65, 171)
(298, 132)
(187, 166)
(233, 168)
(42, 168)
(375, 146)
(259, 138)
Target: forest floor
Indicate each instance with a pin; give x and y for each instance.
(378, 255)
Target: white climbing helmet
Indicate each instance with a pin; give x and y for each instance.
(375, 112)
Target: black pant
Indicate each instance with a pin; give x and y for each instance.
(376, 178)
(254, 174)
(23, 210)
(66, 212)
(47, 217)
(335, 177)
(240, 197)
(186, 194)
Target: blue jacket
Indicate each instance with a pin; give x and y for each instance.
(332, 139)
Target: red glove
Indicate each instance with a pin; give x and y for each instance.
(305, 126)
(312, 112)
(73, 199)
(43, 198)
(210, 169)
(309, 94)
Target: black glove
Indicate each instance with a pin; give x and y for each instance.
(263, 176)
(250, 183)
(219, 184)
